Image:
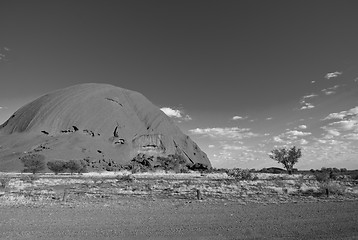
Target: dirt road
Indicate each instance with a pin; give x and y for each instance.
(179, 219)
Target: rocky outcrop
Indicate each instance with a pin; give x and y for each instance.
(94, 121)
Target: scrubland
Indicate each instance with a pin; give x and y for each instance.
(111, 187)
(121, 205)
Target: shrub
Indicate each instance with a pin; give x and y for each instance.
(321, 176)
(125, 178)
(198, 167)
(4, 182)
(79, 166)
(174, 162)
(331, 188)
(33, 163)
(57, 166)
(29, 178)
(273, 170)
(354, 176)
(240, 174)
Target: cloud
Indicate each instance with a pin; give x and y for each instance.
(332, 133)
(331, 90)
(174, 113)
(232, 133)
(302, 126)
(310, 96)
(211, 146)
(297, 133)
(239, 118)
(277, 139)
(346, 127)
(2, 54)
(269, 118)
(353, 112)
(291, 135)
(351, 136)
(333, 75)
(233, 147)
(307, 105)
(303, 142)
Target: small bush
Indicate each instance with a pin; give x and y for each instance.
(241, 174)
(354, 176)
(322, 176)
(33, 163)
(125, 178)
(29, 178)
(331, 188)
(4, 182)
(198, 167)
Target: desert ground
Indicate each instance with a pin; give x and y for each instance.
(166, 206)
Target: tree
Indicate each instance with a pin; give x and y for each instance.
(57, 166)
(286, 156)
(34, 163)
(78, 166)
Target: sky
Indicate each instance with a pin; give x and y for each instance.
(239, 77)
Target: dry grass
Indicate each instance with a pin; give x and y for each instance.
(26, 189)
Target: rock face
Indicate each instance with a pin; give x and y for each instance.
(98, 122)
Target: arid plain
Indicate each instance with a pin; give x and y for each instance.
(165, 205)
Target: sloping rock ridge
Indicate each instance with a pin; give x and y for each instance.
(93, 121)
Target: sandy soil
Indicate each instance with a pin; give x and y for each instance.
(133, 218)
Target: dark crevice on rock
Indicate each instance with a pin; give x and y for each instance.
(188, 157)
(115, 101)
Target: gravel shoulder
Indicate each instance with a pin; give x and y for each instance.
(133, 218)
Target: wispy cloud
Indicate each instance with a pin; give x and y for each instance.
(302, 126)
(332, 75)
(351, 136)
(295, 133)
(269, 118)
(239, 117)
(306, 105)
(290, 136)
(346, 127)
(303, 142)
(278, 139)
(233, 147)
(331, 90)
(310, 96)
(175, 113)
(231, 133)
(3, 53)
(343, 114)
